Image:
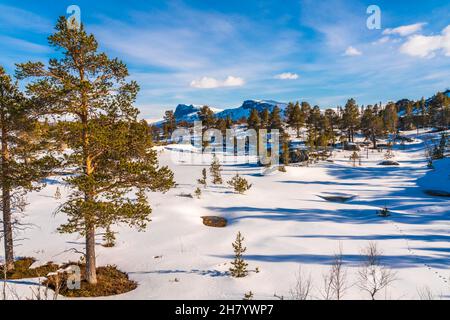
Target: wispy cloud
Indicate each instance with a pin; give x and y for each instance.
(286, 76)
(173, 54)
(405, 30)
(23, 45)
(15, 18)
(176, 40)
(176, 51)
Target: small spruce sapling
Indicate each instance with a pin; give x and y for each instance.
(384, 212)
(57, 194)
(198, 193)
(239, 184)
(214, 169)
(239, 266)
(109, 238)
(248, 296)
(203, 180)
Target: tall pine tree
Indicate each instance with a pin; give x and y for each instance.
(170, 123)
(295, 118)
(265, 118)
(275, 119)
(371, 125)
(110, 149)
(350, 119)
(22, 164)
(253, 121)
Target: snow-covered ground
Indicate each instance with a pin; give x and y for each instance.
(285, 224)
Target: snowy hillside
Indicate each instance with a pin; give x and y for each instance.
(184, 112)
(286, 225)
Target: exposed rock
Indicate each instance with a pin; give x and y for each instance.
(182, 110)
(338, 197)
(351, 147)
(186, 195)
(389, 163)
(214, 221)
(403, 138)
(437, 193)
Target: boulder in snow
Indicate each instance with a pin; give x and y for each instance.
(437, 193)
(389, 163)
(214, 221)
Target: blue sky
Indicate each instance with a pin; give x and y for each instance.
(223, 52)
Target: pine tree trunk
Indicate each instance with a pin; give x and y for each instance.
(7, 230)
(91, 266)
(6, 204)
(374, 141)
(91, 273)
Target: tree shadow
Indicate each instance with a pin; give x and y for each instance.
(355, 216)
(380, 237)
(210, 273)
(352, 260)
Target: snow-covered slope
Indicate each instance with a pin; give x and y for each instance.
(285, 222)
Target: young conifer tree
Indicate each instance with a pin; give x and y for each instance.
(198, 193)
(239, 184)
(22, 163)
(214, 169)
(239, 266)
(203, 179)
(110, 149)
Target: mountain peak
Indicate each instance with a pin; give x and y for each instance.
(188, 112)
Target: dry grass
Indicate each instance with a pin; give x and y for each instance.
(22, 269)
(110, 281)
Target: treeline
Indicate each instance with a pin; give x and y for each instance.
(77, 115)
(321, 128)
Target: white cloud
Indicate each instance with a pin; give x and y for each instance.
(231, 81)
(405, 30)
(352, 51)
(286, 76)
(427, 46)
(210, 83)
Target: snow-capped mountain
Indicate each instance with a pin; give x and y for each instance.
(184, 112)
(247, 106)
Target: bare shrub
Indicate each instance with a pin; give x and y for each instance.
(335, 281)
(303, 286)
(373, 276)
(425, 293)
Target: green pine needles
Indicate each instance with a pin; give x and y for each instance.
(239, 266)
(239, 184)
(215, 169)
(111, 153)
